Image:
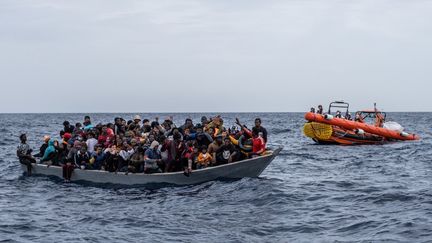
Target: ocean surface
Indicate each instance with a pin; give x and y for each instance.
(309, 193)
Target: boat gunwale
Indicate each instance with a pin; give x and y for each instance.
(272, 154)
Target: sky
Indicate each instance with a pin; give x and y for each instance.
(214, 56)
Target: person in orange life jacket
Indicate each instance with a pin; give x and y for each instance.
(204, 158)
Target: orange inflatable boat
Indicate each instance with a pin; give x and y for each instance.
(338, 129)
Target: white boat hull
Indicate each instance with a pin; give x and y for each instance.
(237, 170)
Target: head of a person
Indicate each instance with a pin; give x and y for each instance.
(320, 107)
(137, 119)
(151, 138)
(146, 122)
(188, 122)
(83, 149)
(155, 126)
(154, 145)
(227, 141)
(78, 125)
(98, 149)
(204, 120)
(204, 149)
(312, 109)
(338, 112)
(104, 130)
(117, 121)
(195, 149)
(67, 136)
(46, 138)
(199, 129)
(23, 138)
(87, 119)
(211, 131)
(176, 137)
(219, 139)
(66, 124)
(257, 122)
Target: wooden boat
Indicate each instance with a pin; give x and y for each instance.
(330, 129)
(236, 170)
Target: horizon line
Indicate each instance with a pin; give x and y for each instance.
(181, 112)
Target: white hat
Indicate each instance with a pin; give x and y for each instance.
(137, 117)
(154, 144)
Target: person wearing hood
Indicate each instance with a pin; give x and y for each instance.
(43, 147)
(151, 159)
(50, 152)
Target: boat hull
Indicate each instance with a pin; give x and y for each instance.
(237, 170)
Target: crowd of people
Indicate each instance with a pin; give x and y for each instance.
(144, 146)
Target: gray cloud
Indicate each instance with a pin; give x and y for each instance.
(110, 56)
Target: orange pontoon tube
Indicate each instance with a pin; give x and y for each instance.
(352, 125)
(329, 129)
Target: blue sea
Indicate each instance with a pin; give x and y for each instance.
(309, 193)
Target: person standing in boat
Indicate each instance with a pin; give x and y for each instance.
(67, 127)
(24, 154)
(320, 110)
(258, 128)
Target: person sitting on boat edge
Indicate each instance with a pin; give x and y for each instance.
(24, 154)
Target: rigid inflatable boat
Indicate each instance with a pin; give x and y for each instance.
(338, 129)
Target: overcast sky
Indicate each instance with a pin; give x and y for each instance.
(219, 55)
